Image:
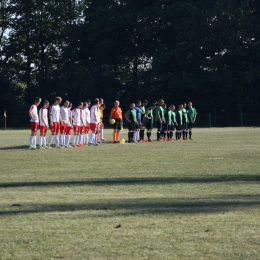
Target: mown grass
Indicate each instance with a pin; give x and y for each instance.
(173, 200)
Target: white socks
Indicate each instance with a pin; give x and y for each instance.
(57, 140)
(50, 139)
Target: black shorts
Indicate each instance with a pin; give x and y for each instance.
(132, 126)
(158, 124)
(169, 127)
(190, 125)
(149, 125)
(185, 125)
(164, 126)
(179, 127)
(117, 124)
(142, 119)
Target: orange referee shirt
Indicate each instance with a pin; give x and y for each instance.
(116, 112)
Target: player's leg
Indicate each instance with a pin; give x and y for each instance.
(190, 130)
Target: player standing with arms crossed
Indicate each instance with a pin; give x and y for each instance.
(34, 122)
(43, 116)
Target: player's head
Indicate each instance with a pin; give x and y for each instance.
(164, 106)
(161, 102)
(138, 103)
(184, 104)
(88, 102)
(58, 100)
(70, 105)
(80, 104)
(66, 103)
(173, 108)
(153, 106)
(145, 102)
(132, 105)
(37, 101)
(116, 103)
(96, 101)
(45, 104)
(101, 101)
(190, 105)
(180, 106)
(85, 105)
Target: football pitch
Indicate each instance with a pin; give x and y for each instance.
(195, 199)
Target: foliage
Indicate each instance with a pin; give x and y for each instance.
(205, 51)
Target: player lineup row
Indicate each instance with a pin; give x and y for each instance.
(86, 118)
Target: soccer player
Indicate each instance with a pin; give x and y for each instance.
(149, 121)
(64, 113)
(83, 125)
(192, 115)
(142, 125)
(87, 112)
(164, 124)
(70, 126)
(169, 122)
(55, 121)
(43, 116)
(116, 114)
(102, 107)
(179, 122)
(130, 117)
(159, 118)
(173, 121)
(77, 120)
(94, 121)
(34, 122)
(138, 120)
(184, 122)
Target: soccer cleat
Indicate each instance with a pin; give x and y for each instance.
(74, 146)
(149, 140)
(103, 139)
(31, 148)
(41, 147)
(68, 146)
(58, 146)
(191, 138)
(47, 147)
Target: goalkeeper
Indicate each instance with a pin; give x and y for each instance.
(116, 114)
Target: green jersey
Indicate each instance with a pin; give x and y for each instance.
(168, 116)
(191, 114)
(179, 117)
(173, 117)
(131, 113)
(142, 109)
(184, 116)
(159, 110)
(149, 113)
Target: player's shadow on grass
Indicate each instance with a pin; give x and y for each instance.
(142, 206)
(139, 181)
(20, 147)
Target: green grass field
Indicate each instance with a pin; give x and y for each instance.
(169, 200)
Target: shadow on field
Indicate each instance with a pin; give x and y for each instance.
(20, 147)
(141, 206)
(138, 181)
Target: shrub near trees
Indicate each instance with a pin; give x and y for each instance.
(205, 51)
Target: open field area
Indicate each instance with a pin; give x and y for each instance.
(195, 199)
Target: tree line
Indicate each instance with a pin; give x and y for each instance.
(195, 50)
